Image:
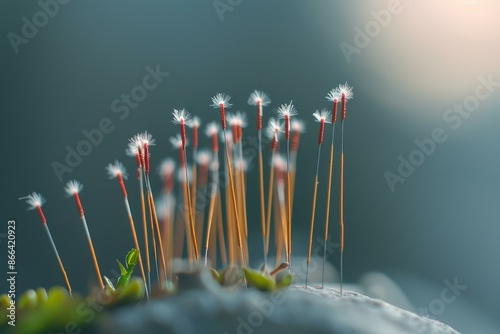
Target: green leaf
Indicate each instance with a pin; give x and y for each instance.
(285, 281)
(215, 274)
(123, 270)
(133, 291)
(126, 273)
(131, 258)
(4, 305)
(255, 279)
(27, 300)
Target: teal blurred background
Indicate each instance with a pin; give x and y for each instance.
(441, 222)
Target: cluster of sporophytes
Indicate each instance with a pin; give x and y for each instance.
(212, 216)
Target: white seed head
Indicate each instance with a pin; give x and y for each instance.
(259, 96)
(195, 122)
(146, 138)
(165, 204)
(241, 118)
(323, 115)
(298, 126)
(116, 169)
(167, 167)
(231, 119)
(181, 115)
(221, 98)
(345, 90)
(73, 187)
(181, 174)
(139, 140)
(333, 95)
(211, 129)
(34, 200)
(286, 110)
(279, 162)
(133, 144)
(131, 150)
(176, 142)
(237, 119)
(203, 158)
(274, 127)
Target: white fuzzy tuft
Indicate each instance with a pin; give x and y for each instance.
(323, 115)
(176, 142)
(237, 119)
(274, 127)
(181, 174)
(116, 169)
(139, 140)
(211, 129)
(167, 167)
(345, 90)
(146, 138)
(34, 200)
(221, 98)
(257, 96)
(203, 158)
(73, 187)
(333, 95)
(195, 122)
(181, 115)
(286, 110)
(131, 149)
(298, 126)
(241, 118)
(279, 162)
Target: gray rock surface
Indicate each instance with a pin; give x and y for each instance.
(205, 307)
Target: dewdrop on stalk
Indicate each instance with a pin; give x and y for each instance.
(73, 189)
(322, 117)
(35, 202)
(117, 170)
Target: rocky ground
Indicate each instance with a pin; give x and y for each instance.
(202, 306)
